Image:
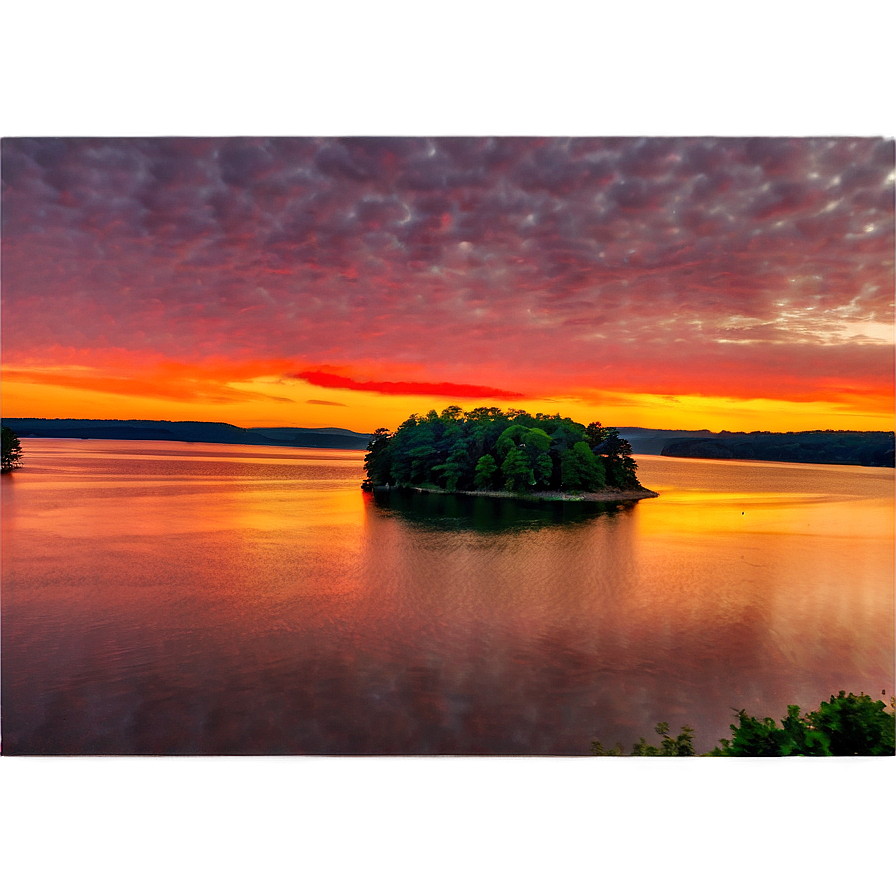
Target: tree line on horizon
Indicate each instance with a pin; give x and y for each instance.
(867, 449)
(490, 449)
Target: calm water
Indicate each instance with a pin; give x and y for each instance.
(204, 599)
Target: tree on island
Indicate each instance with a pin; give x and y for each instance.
(847, 725)
(490, 449)
(580, 469)
(11, 450)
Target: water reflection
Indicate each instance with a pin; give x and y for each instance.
(448, 512)
(216, 599)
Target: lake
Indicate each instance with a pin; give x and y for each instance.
(166, 598)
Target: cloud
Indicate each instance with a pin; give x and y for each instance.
(172, 388)
(521, 263)
(456, 390)
(332, 404)
(132, 374)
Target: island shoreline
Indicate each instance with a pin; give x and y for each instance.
(607, 496)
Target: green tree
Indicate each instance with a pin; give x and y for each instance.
(763, 737)
(448, 450)
(484, 426)
(422, 456)
(846, 725)
(682, 745)
(485, 471)
(378, 462)
(598, 749)
(535, 445)
(457, 466)
(855, 726)
(595, 434)
(11, 450)
(414, 450)
(580, 470)
(512, 437)
(807, 740)
(617, 457)
(452, 414)
(517, 470)
(538, 447)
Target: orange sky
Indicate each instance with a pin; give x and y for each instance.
(264, 405)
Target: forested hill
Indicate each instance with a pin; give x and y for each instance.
(187, 431)
(867, 449)
(489, 449)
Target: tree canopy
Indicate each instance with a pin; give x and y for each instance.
(490, 449)
(11, 450)
(846, 725)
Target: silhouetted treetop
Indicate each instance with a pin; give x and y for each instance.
(11, 450)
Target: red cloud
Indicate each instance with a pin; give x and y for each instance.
(454, 390)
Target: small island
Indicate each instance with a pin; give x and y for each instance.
(505, 454)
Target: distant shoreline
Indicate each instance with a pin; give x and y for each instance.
(608, 496)
(840, 447)
(181, 431)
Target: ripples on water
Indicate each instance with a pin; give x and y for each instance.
(162, 598)
(458, 513)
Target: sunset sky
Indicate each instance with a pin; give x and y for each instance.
(679, 283)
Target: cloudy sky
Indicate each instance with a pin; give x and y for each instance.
(679, 283)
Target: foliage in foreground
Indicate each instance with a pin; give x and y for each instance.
(11, 450)
(847, 725)
(683, 745)
(490, 449)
